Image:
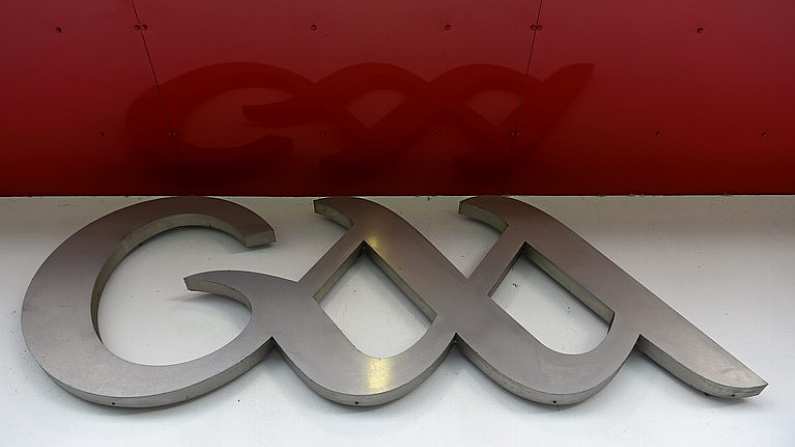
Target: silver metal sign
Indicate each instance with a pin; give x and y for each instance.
(59, 315)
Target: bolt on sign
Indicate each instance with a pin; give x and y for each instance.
(59, 315)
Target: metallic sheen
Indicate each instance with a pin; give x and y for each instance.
(60, 311)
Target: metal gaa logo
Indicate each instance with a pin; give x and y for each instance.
(59, 316)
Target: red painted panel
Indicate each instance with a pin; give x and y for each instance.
(686, 97)
(68, 75)
(332, 97)
(280, 97)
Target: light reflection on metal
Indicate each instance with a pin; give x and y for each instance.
(60, 310)
(379, 374)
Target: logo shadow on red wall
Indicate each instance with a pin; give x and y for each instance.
(311, 142)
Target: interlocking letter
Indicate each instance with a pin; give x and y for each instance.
(59, 313)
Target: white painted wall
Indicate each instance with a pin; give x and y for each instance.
(726, 263)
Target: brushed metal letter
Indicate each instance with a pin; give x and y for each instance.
(636, 316)
(59, 313)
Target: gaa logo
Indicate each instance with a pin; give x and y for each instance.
(59, 315)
